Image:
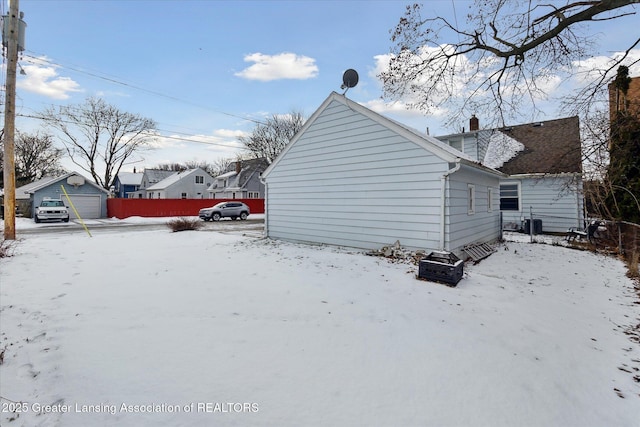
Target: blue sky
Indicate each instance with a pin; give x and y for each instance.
(207, 70)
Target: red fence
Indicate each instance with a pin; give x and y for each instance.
(123, 208)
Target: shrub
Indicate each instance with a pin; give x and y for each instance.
(6, 246)
(182, 224)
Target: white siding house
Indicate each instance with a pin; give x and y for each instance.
(544, 166)
(240, 181)
(556, 200)
(352, 177)
(187, 184)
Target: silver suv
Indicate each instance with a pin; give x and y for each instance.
(233, 210)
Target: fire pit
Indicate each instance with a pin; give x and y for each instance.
(441, 267)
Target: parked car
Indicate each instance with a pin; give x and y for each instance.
(51, 210)
(233, 210)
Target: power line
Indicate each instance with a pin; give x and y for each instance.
(193, 133)
(42, 58)
(177, 138)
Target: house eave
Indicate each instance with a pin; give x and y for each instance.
(483, 168)
(545, 175)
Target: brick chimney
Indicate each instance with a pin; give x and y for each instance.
(238, 166)
(474, 123)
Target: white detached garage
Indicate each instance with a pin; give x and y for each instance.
(354, 178)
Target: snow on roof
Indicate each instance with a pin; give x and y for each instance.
(226, 175)
(130, 178)
(169, 181)
(501, 149)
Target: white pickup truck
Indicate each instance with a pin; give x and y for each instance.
(51, 210)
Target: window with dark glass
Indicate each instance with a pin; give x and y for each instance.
(509, 197)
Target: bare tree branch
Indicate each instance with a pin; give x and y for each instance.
(98, 137)
(506, 54)
(269, 139)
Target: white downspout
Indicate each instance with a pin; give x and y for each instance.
(443, 199)
(265, 233)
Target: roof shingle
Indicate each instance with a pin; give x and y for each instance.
(549, 147)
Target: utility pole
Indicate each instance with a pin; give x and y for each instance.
(9, 165)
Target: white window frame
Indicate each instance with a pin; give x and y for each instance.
(456, 141)
(471, 199)
(489, 199)
(519, 188)
(199, 179)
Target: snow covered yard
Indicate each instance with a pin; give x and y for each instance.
(134, 328)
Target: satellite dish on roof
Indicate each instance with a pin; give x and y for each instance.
(349, 79)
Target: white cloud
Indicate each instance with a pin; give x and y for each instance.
(278, 67)
(592, 68)
(42, 78)
(220, 139)
(105, 94)
(228, 133)
(410, 117)
(176, 148)
(455, 84)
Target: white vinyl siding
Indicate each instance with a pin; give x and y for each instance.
(350, 181)
(457, 144)
(556, 200)
(490, 200)
(461, 228)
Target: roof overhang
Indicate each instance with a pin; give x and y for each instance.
(545, 175)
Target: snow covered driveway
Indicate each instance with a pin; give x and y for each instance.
(145, 328)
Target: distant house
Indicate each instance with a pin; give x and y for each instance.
(153, 176)
(88, 198)
(187, 184)
(543, 162)
(127, 183)
(241, 181)
(351, 177)
(149, 177)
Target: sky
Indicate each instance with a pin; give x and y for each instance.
(208, 71)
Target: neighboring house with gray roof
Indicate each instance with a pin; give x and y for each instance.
(240, 181)
(187, 184)
(149, 177)
(153, 176)
(544, 164)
